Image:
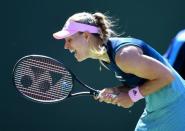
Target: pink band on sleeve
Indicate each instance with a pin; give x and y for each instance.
(135, 94)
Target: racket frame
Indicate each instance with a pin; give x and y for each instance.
(91, 91)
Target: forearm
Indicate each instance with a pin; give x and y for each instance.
(152, 86)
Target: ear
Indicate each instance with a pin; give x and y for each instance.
(86, 35)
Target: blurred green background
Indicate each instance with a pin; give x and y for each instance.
(27, 27)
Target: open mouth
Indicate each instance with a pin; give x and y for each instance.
(73, 51)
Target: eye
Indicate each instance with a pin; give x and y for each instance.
(68, 40)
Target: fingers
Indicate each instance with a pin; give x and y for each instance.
(106, 95)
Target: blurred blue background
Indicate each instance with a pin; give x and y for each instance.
(27, 27)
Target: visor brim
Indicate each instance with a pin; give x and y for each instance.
(62, 34)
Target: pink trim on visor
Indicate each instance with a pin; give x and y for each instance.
(72, 27)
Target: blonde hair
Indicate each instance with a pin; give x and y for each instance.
(100, 20)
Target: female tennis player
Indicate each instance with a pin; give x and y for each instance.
(176, 53)
(144, 73)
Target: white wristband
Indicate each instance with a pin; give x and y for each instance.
(135, 94)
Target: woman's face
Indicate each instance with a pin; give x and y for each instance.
(79, 45)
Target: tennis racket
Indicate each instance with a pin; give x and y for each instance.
(46, 80)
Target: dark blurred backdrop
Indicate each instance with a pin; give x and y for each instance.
(27, 27)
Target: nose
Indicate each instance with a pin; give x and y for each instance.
(66, 45)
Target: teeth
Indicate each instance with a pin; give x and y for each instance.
(72, 51)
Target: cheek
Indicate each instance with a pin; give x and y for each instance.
(82, 51)
(81, 45)
(84, 48)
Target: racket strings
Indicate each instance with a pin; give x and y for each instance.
(40, 86)
(25, 70)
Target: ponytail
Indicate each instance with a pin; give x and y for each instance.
(105, 25)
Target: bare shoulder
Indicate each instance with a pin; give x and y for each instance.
(127, 56)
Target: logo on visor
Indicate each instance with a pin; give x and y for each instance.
(134, 92)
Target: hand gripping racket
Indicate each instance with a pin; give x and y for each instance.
(46, 80)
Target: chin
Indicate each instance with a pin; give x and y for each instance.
(81, 59)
